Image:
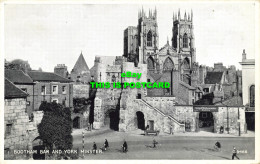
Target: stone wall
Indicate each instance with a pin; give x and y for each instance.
(186, 114)
(19, 132)
(81, 90)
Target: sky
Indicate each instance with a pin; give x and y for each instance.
(51, 34)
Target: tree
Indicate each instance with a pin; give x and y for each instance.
(18, 64)
(56, 126)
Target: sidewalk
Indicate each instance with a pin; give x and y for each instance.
(139, 132)
(196, 134)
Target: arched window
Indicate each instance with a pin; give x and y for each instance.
(186, 64)
(252, 96)
(113, 78)
(185, 40)
(149, 39)
(150, 63)
(168, 64)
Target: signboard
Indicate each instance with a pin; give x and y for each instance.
(205, 109)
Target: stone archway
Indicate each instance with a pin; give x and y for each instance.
(37, 144)
(112, 119)
(140, 120)
(206, 121)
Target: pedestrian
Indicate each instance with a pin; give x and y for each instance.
(94, 148)
(217, 146)
(106, 144)
(124, 147)
(234, 153)
(154, 143)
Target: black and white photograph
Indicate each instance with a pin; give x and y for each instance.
(141, 80)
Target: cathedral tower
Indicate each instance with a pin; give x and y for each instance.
(148, 37)
(183, 41)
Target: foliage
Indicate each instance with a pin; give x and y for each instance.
(80, 104)
(56, 126)
(18, 64)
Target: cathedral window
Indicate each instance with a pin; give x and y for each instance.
(186, 64)
(168, 64)
(185, 40)
(150, 63)
(113, 78)
(149, 39)
(252, 96)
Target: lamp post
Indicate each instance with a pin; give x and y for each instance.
(83, 140)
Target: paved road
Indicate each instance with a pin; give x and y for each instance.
(170, 147)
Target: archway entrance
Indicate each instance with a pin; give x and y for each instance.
(38, 146)
(206, 121)
(76, 122)
(140, 120)
(114, 120)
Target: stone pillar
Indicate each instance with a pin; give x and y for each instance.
(98, 114)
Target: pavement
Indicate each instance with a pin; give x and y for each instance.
(187, 134)
(178, 146)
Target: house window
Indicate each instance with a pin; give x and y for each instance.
(185, 40)
(148, 80)
(54, 89)
(252, 96)
(43, 90)
(24, 89)
(8, 129)
(63, 89)
(193, 101)
(149, 39)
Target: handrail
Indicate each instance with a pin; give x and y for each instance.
(159, 111)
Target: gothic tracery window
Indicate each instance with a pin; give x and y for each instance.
(150, 63)
(168, 64)
(149, 39)
(252, 96)
(185, 40)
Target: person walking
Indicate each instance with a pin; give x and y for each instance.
(124, 147)
(94, 148)
(217, 146)
(154, 143)
(106, 144)
(234, 153)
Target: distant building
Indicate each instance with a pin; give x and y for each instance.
(80, 72)
(42, 86)
(61, 70)
(248, 87)
(51, 87)
(25, 83)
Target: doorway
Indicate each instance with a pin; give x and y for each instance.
(114, 120)
(76, 122)
(151, 125)
(206, 121)
(140, 120)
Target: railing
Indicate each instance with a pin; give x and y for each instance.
(159, 111)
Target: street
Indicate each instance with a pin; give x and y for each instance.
(169, 147)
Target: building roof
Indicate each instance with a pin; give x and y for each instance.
(11, 91)
(80, 66)
(18, 77)
(213, 77)
(233, 101)
(47, 76)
